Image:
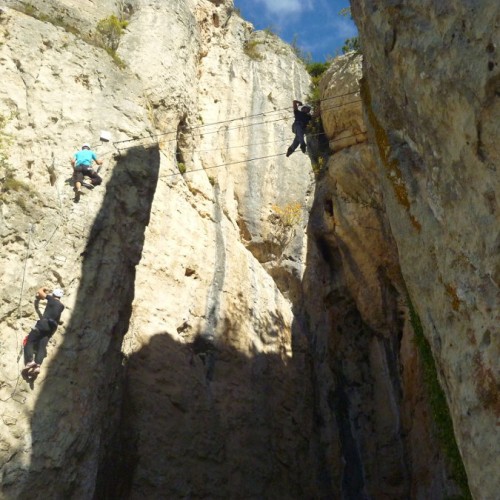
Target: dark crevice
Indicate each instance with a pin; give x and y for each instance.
(181, 144)
(352, 477)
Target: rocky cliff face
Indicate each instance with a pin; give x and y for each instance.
(234, 326)
(376, 420)
(432, 96)
(162, 257)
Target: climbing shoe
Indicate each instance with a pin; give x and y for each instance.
(88, 185)
(303, 148)
(26, 371)
(289, 151)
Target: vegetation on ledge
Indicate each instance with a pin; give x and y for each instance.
(439, 406)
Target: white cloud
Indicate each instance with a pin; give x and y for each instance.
(286, 7)
(344, 28)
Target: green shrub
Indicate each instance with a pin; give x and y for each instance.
(110, 30)
(182, 167)
(316, 69)
(116, 58)
(250, 49)
(351, 45)
(270, 31)
(10, 187)
(439, 406)
(317, 166)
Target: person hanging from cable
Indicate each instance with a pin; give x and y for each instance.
(82, 167)
(302, 118)
(35, 344)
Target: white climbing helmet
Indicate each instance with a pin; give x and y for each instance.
(306, 107)
(57, 292)
(86, 146)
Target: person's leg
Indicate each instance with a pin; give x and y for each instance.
(300, 138)
(293, 146)
(78, 178)
(95, 178)
(29, 349)
(41, 351)
(296, 142)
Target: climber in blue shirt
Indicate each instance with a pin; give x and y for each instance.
(82, 167)
(302, 119)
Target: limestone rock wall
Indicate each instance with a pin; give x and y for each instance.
(341, 102)
(432, 97)
(376, 425)
(231, 326)
(178, 350)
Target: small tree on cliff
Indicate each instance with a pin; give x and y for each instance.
(110, 30)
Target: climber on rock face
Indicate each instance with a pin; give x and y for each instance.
(37, 340)
(302, 119)
(82, 167)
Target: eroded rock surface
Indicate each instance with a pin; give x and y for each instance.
(206, 324)
(375, 412)
(432, 97)
(235, 327)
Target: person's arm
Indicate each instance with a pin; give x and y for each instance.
(94, 157)
(42, 293)
(36, 303)
(296, 105)
(73, 161)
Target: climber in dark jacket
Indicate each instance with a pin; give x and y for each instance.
(302, 119)
(37, 340)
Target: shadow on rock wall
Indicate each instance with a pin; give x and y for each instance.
(202, 420)
(79, 403)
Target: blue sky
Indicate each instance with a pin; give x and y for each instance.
(319, 28)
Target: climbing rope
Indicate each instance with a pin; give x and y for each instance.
(155, 136)
(249, 159)
(24, 271)
(230, 120)
(19, 317)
